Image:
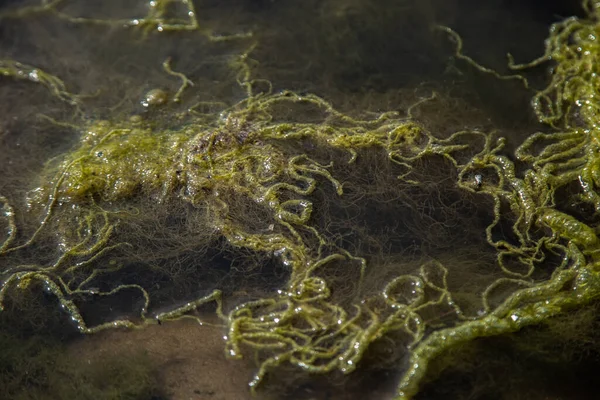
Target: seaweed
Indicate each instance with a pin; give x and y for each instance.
(358, 214)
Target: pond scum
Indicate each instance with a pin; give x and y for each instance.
(304, 197)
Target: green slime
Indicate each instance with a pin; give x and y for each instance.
(246, 156)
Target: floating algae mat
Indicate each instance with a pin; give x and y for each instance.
(270, 170)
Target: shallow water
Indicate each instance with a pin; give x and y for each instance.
(363, 57)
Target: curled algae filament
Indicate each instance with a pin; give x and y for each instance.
(570, 228)
(55, 85)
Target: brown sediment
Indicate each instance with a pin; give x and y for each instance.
(188, 358)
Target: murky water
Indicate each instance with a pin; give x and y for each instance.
(168, 66)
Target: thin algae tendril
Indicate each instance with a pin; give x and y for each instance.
(158, 19)
(251, 159)
(55, 85)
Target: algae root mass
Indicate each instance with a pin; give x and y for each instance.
(315, 232)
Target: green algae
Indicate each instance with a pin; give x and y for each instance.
(543, 360)
(113, 163)
(256, 180)
(17, 70)
(161, 17)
